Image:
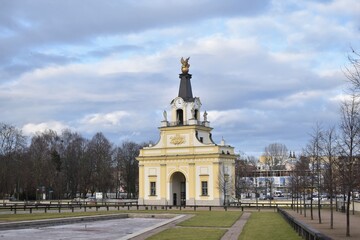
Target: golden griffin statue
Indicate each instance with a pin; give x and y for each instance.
(185, 65)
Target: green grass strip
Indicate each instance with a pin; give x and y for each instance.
(212, 219)
(269, 226)
(185, 233)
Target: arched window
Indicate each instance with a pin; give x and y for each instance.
(180, 117)
(196, 114)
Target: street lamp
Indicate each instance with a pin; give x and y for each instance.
(268, 181)
(226, 179)
(36, 194)
(256, 192)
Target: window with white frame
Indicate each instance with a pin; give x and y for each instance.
(204, 188)
(152, 188)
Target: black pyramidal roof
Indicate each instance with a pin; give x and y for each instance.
(185, 91)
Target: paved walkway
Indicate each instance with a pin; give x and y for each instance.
(234, 232)
(114, 226)
(156, 230)
(339, 230)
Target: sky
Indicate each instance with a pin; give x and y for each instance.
(265, 71)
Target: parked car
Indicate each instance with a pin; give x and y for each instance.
(296, 196)
(12, 198)
(316, 199)
(278, 194)
(90, 199)
(266, 198)
(340, 196)
(325, 197)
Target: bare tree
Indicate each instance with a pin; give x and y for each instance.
(44, 159)
(100, 154)
(74, 166)
(12, 146)
(275, 154)
(225, 183)
(314, 151)
(245, 169)
(331, 149)
(86, 171)
(352, 72)
(301, 181)
(128, 167)
(349, 139)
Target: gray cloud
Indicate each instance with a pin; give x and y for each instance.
(120, 49)
(38, 24)
(113, 66)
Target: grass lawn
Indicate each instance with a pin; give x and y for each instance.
(204, 225)
(269, 226)
(212, 219)
(185, 233)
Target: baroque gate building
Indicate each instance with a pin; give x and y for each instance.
(186, 167)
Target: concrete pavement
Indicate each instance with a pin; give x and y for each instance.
(90, 229)
(234, 232)
(339, 230)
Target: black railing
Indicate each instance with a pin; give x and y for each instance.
(126, 205)
(185, 123)
(305, 231)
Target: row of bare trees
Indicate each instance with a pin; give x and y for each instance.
(331, 160)
(64, 165)
(329, 164)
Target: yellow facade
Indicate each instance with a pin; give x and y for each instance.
(186, 167)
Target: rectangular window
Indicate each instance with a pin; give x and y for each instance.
(204, 188)
(152, 188)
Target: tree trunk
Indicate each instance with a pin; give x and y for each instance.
(311, 207)
(331, 197)
(348, 214)
(331, 210)
(319, 209)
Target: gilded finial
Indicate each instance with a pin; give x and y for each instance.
(185, 65)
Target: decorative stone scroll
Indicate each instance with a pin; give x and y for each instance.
(177, 140)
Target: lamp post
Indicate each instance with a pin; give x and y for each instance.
(36, 194)
(226, 179)
(266, 183)
(256, 192)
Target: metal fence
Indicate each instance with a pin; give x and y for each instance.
(305, 231)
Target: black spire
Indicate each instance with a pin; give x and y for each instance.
(185, 91)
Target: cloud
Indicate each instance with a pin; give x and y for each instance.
(107, 119)
(27, 26)
(32, 128)
(265, 72)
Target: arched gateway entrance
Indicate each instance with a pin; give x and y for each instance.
(178, 189)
